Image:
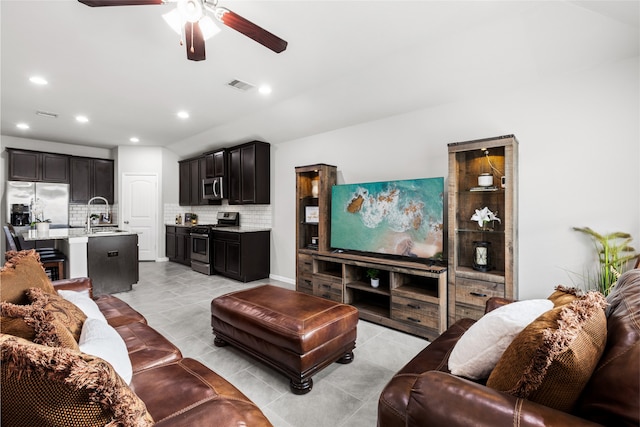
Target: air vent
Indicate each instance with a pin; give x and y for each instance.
(47, 114)
(240, 85)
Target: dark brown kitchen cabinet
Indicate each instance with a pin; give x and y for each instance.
(178, 244)
(192, 172)
(216, 164)
(241, 256)
(90, 178)
(249, 173)
(26, 165)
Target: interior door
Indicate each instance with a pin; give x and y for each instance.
(139, 207)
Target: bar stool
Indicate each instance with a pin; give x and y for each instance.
(52, 259)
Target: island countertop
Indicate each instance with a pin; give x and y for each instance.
(71, 233)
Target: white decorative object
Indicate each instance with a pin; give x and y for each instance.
(101, 340)
(42, 227)
(375, 283)
(485, 180)
(477, 352)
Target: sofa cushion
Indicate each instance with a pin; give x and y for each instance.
(84, 303)
(32, 322)
(479, 349)
(99, 339)
(146, 346)
(611, 396)
(44, 386)
(118, 312)
(22, 270)
(61, 310)
(552, 359)
(198, 397)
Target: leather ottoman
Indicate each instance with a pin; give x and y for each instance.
(295, 333)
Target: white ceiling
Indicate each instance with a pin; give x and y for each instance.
(347, 62)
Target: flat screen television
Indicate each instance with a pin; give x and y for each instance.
(391, 218)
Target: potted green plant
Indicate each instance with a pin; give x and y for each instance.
(614, 253)
(374, 275)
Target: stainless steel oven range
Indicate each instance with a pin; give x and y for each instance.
(201, 245)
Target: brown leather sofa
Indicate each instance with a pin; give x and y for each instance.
(176, 391)
(425, 393)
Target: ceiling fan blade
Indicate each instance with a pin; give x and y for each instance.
(98, 3)
(251, 30)
(195, 41)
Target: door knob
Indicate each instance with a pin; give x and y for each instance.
(126, 222)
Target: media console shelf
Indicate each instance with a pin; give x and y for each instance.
(412, 296)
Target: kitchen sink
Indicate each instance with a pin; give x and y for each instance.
(104, 232)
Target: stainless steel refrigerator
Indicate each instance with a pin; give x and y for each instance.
(46, 200)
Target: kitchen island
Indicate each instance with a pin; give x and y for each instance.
(107, 255)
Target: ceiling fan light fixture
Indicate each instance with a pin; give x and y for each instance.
(208, 27)
(174, 20)
(190, 10)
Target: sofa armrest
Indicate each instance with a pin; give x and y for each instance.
(442, 399)
(79, 284)
(495, 302)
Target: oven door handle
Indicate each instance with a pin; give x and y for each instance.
(204, 236)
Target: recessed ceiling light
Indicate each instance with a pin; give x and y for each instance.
(183, 114)
(265, 89)
(22, 126)
(82, 119)
(134, 139)
(37, 80)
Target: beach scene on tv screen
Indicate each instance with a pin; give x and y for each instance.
(402, 217)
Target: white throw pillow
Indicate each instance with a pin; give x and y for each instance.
(99, 339)
(84, 303)
(477, 352)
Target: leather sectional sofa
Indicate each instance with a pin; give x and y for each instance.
(49, 385)
(425, 393)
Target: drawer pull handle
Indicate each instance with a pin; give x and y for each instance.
(415, 307)
(413, 319)
(478, 294)
(326, 296)
(326, 286)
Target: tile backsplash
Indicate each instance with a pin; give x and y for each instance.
(78, 213)
(250, 215)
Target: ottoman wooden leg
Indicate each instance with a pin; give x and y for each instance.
(301, 387)
(219, 342)
(347, 358)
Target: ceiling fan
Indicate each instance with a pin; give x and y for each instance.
(194, 22)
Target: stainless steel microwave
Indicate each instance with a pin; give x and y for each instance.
(213, 188)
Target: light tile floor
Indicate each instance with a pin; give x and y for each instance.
(176, 302)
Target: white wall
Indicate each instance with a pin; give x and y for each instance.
(579, 156)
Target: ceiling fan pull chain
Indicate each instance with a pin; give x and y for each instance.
(192, 49)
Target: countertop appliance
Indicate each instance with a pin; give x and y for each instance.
(213, 188)
(201, 245)
(20, 214)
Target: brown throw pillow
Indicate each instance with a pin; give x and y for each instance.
(32, 322)
(22, 271)
(57, 386)
(552, 359)
(61, 310)
(564, 295)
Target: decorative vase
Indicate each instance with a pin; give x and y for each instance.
(42, 227)
(375, 283)
(482, 255)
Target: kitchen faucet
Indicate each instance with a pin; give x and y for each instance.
(106, 215)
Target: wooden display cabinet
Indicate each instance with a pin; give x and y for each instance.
(472, 283)
(313, 218)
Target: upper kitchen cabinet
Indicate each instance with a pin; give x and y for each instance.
(216, 163)
(90, 178)
(249, 173)
(191, 173)
(25, 165)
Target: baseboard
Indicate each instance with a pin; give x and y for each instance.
(282, 279)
